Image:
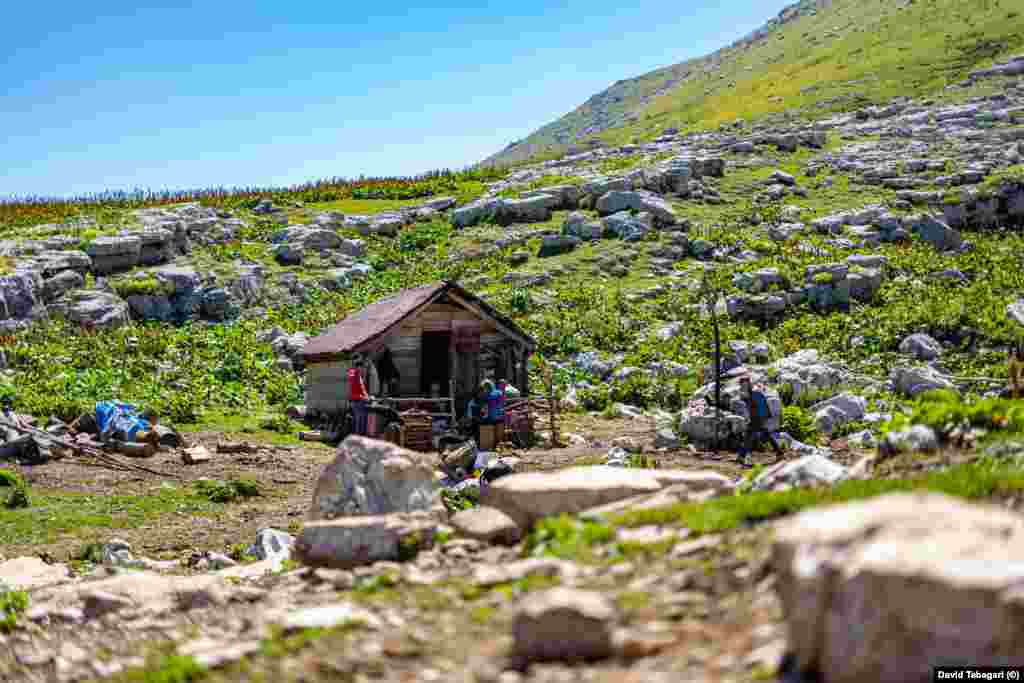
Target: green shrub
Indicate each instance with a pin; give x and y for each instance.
(799, 423)
(170, 668)
(944, 411)
(565, 537)
(593, 399)
(282, 424)
(227, 492)
(520, 301)
(10, 479)
(641, 461)
(12, 604)
(148, 286)
(18, 499)
(455, 501)
(825, 278)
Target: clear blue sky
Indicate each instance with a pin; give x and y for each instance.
(120, 95)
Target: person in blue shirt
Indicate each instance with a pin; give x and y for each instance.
(760, 414)
(124, 422)
(495, 399)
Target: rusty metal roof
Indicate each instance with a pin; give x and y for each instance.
(376, 320)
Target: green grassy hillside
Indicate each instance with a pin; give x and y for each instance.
(814, 58)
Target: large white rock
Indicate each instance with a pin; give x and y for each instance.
(914, 381)
(370, 477)
(886, 589)
(486, 524)
(24, 573)
(531, 496)
(350, 542)
(839, 410)
(805, 372)
(921, 347)
(808, 471)
(615, 201)
(139, 592)
(1015, 312)
(92, 309)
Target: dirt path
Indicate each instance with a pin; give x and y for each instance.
(286, 476)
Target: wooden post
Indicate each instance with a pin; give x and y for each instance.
(451, 394)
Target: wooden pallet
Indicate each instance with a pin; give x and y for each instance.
(417, 430)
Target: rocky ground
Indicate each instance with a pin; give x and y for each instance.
(855, 264)
(630, 587)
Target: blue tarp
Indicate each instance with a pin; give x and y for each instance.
(119, 420)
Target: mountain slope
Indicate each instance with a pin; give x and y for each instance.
(815, 57)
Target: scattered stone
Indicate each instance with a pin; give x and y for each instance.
(272, 544)
(494, 575)
(329, 616)
(214, 654)
(349, 542)
(808, 471)
(1015, 312)
(916, 439)
(563, 625)
(914, 381)
(196, 455)
(921, 347)
(23, 573)
(486, 524)
(666, 438)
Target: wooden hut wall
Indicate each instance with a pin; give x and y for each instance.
(406, 347)
(327, 387)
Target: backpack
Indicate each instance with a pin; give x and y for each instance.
(762, 410)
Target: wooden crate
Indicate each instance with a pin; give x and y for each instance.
(417, 430)
(488, 437)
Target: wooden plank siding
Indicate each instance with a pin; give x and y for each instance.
(327, 387)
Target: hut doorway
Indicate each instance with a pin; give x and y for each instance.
(436, 368)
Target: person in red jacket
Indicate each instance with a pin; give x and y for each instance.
(358, 397)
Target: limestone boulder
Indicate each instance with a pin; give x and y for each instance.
(837, 411)
(114, 253)
(139, 592)
(935, 232)
(868, 597)
(486, 524)
(21, 295)
(562, 624)
(536, 209)
(614, 202)
(26, 573)
(370, 477)
(92, 309)
(349, 542)
(921, 347)
(809, 471)
(531, 496)
(1015, 312)
(914, 381)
